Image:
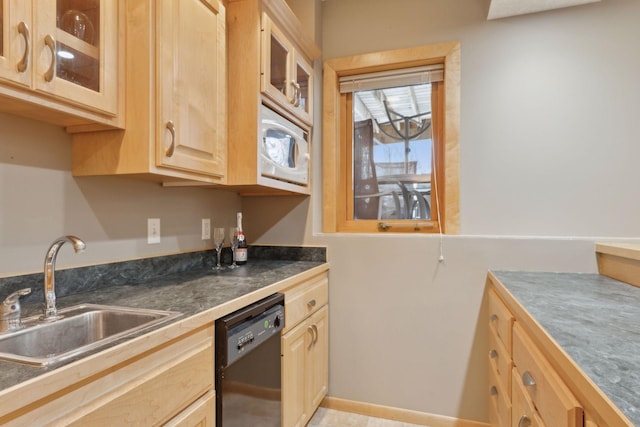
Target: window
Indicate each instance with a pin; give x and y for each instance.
(390, 149)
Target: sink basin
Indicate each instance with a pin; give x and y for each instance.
(83, 328)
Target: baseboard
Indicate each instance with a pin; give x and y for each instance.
(396, 414)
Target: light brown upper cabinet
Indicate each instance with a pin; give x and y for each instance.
(59, 62)
(175, 97)
(270, 69)
(287, 77)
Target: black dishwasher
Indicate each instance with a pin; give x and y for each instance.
(248, 380)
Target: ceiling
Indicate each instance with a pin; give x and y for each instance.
(505, 8)
(412, 101)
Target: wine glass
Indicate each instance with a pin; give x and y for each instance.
(233, 235)
(218, 239)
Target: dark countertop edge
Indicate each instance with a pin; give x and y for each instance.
(574, 373)
(13, 395)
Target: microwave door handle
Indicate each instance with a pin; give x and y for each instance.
(293, 152)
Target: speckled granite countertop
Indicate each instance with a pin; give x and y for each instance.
(188, 292)
(596, 321)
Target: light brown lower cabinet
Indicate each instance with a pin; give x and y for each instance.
(532, 383)
(202, 413)
(523, 410)
(305, 351)
(170, 385)
(525, 390)
(541, 384)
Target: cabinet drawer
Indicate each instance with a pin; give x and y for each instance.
(499, 403)
(148, 389)
(523, 412)
(305, 300)
(500, 319)
(555, 403)
(500, 362)
(158, 395)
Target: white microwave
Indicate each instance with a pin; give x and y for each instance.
(284, 148)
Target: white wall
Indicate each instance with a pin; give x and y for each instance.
(549, 151)
(549, 107)
(40, 201)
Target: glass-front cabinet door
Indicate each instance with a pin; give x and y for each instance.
(15, 41)
(304, 85)
(277, 82)
(278, 77)
(287, 76)
(75, 47)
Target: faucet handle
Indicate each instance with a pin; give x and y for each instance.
(10, 319)
(14, 297)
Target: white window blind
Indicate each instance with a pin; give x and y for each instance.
(392, 78)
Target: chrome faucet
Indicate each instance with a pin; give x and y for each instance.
(50, 310)
(10, 313)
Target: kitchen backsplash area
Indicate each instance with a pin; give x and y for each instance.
(89, 278)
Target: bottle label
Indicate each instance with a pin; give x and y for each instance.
(241, 254)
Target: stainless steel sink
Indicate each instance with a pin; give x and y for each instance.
(82, 329)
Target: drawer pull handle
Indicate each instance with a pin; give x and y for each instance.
(313, 330)
(312, 303)
(172, 130)
(297, 92)
(494, 391)
(51, 44)
(24, 62)
(528, 380)
(493, 354)
(524, 421)
(310, 330)
(494, 318)
(292, 99)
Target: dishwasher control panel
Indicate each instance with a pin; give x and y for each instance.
(242, 338)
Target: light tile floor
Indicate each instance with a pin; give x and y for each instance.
(331, 418)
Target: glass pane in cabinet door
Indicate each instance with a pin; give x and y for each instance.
(278, 65)
(77, 46)
(303, 81)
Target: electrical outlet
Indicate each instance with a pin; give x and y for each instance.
(206, 228)
(153, 231)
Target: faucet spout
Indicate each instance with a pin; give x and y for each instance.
(50, 311)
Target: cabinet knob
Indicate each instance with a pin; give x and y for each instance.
(493, 354)
(50, 42)
(493, 391)
(528, 380)
(493, 318)
(23, 30)
(172, 129)
(312, 303)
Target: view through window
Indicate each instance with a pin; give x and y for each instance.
(390, 141)
(392, 152)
